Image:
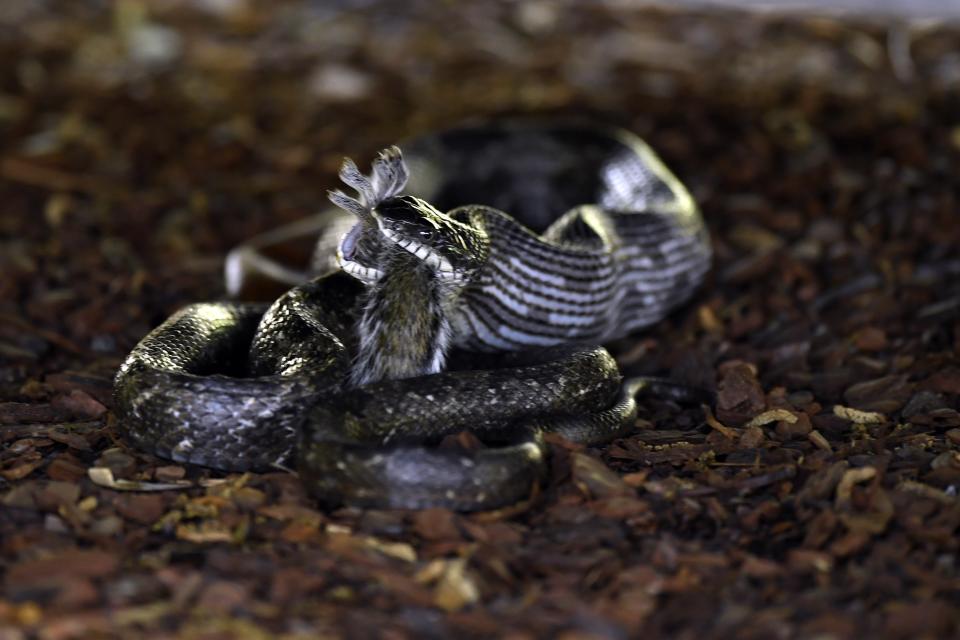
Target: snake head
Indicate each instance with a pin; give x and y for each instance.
(451, 249)
(388, 221)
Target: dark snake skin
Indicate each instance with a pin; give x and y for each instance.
(244, 387)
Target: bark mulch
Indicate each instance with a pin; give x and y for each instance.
(818, 498)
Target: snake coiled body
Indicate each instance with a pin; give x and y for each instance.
(556, 237)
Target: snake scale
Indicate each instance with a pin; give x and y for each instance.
(446, 314)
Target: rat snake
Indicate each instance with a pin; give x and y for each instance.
(436, 323)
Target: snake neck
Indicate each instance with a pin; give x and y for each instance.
(404, 328)
(594, 275)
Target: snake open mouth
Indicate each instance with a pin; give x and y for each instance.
(347, 257)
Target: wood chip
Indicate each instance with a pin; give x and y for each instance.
(773, 415)
(103, 476)
(456, 588)
(860, 417)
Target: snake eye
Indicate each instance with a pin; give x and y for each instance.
(426, 235)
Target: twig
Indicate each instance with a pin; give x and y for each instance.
(717, 425)
(49, 336)
(756, 482)
(25, 172)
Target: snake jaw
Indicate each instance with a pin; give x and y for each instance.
(367, 275)
(347, 254)
(430, 257)
(450, 248)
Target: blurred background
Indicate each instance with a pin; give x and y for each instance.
(143, 139)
